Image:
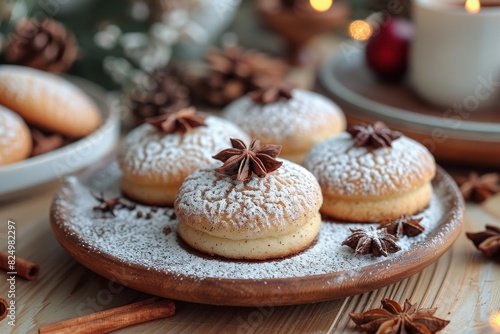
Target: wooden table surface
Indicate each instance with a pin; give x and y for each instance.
(462, 284)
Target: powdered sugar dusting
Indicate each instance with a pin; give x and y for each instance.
(139, 241)
(245, 207)
(306, 113)
(157, 156)
(343, 169)
(10, 125)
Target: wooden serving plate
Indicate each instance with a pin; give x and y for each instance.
(136, 253)
(472, 138)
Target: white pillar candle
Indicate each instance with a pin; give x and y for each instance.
(455, 57)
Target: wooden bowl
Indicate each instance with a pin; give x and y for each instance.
(298, 28)
(136, 253)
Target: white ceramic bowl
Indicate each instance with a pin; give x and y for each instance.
(25, 176)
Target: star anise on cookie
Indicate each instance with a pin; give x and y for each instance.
(272, 93)
(377, 242)
(182, 121)
(392, 318)
(487, 241)
(479, 188)
(241, 162)
(404, 225)
(377, 135)
(110, 204)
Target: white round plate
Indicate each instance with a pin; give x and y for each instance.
(23, 177)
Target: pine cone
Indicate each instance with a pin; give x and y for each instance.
(167, 93)
(44, 45)
(234, 72)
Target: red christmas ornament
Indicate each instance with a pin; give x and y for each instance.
(387, 51)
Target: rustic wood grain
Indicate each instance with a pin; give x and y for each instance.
(462, 283)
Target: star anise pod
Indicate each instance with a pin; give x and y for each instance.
(377, 242)
(45, 45)
(43, 143)
(376, 135)
(233, 72)
(167, 230)
(241, 162)
(110, 204)
(404, 225)
(272, 94)
(182, 121)
(487, 241)
(392, 318)
(166, 93)
(479, 188)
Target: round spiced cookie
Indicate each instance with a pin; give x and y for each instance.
(372, 173)
(253, 207)
(48, 101)
(294, 118)
(15, 137)
(157, 156)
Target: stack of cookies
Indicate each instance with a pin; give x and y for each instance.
(252, 205)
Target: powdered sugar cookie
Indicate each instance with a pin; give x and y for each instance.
(253, 207)
(294, 118)
(15, 137)
(48, 101)
(155, 159)
(372, 174)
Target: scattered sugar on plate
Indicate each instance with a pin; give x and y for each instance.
(141, 241)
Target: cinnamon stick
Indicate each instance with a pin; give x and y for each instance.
(99, 315)
(3, 308)
(23, 268)
(113, 319)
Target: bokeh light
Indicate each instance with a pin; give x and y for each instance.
(495, 321)
(321, 5)
(360, 30)
(473, 6)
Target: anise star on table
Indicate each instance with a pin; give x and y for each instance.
(377, 135)
(377, 242)
(110, 204)
(272, 93)
(404, 225)
(394, 319)
(487, 241)
(241, 162)
(479, 188)
(182, 121)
